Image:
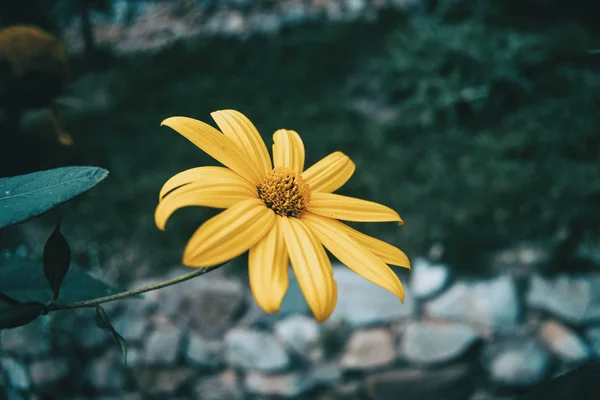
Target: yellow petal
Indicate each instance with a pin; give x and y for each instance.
(350, 208)
(352, 254)
(268, 270)
(229, 234)
(330, 173)
(220, 190)
(311, 266)
(242, 132)
(216, 145)
(200, 174)
(288, 150)
(386, 252)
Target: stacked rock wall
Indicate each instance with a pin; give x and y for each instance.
(132, 26)
(207, 339)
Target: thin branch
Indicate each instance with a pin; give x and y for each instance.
(129, 293)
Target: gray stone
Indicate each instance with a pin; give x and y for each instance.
(135, 357)
(362, 303)
(202, 353)
(327, 374)
(294, 12)
(256, 317)
(251, 349)
(163, 346)
(164, 381)
(334, 11)
(132, 328)
(356, 7)
(16, 373)
(347, 390)
(369, 348)
(563, 343)
(264, 22)
(28, 340)
(224, 386)
(431, 342)
(520, 261)
(233, 23)
(302, 335)
(428, 279)
(573, 299)
(91, 337)
(289, 385)
(47, 372)
(455, 382)
(209, 305)
(492, 304)
(106, 372)
(517, 364)
(135, 308)
(593, 336)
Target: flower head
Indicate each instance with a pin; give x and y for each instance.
(279, 212)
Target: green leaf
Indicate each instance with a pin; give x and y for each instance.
(15, 315)
(26, 196)
(57, 258)
(24, 280)
(103, 323)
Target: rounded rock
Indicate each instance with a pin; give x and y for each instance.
(564, 343)
(288, 385)
(493, 304)
(16, 373)
(47, 372)
(428, 279)
(432, 342)
(362, 303)
(252, 349)
(369, 348)
(573, 299)
(302, 335)
(517, 364)
(163, 346)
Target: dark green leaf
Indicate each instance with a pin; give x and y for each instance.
(26, 196)
(4, 299)
(103, 323)
(57, 258)
(24, 280)
(15, 315)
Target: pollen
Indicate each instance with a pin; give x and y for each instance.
(284, 192)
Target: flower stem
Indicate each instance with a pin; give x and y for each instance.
(129, 293)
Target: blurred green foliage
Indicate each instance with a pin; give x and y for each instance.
(496, 130)
(481, 134)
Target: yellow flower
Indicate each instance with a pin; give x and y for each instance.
(278, 211)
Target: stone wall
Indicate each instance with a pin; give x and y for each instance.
(150, 25)
(207, 339)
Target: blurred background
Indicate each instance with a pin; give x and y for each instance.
(476, 120)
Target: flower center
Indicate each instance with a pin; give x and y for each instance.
(284, 192)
